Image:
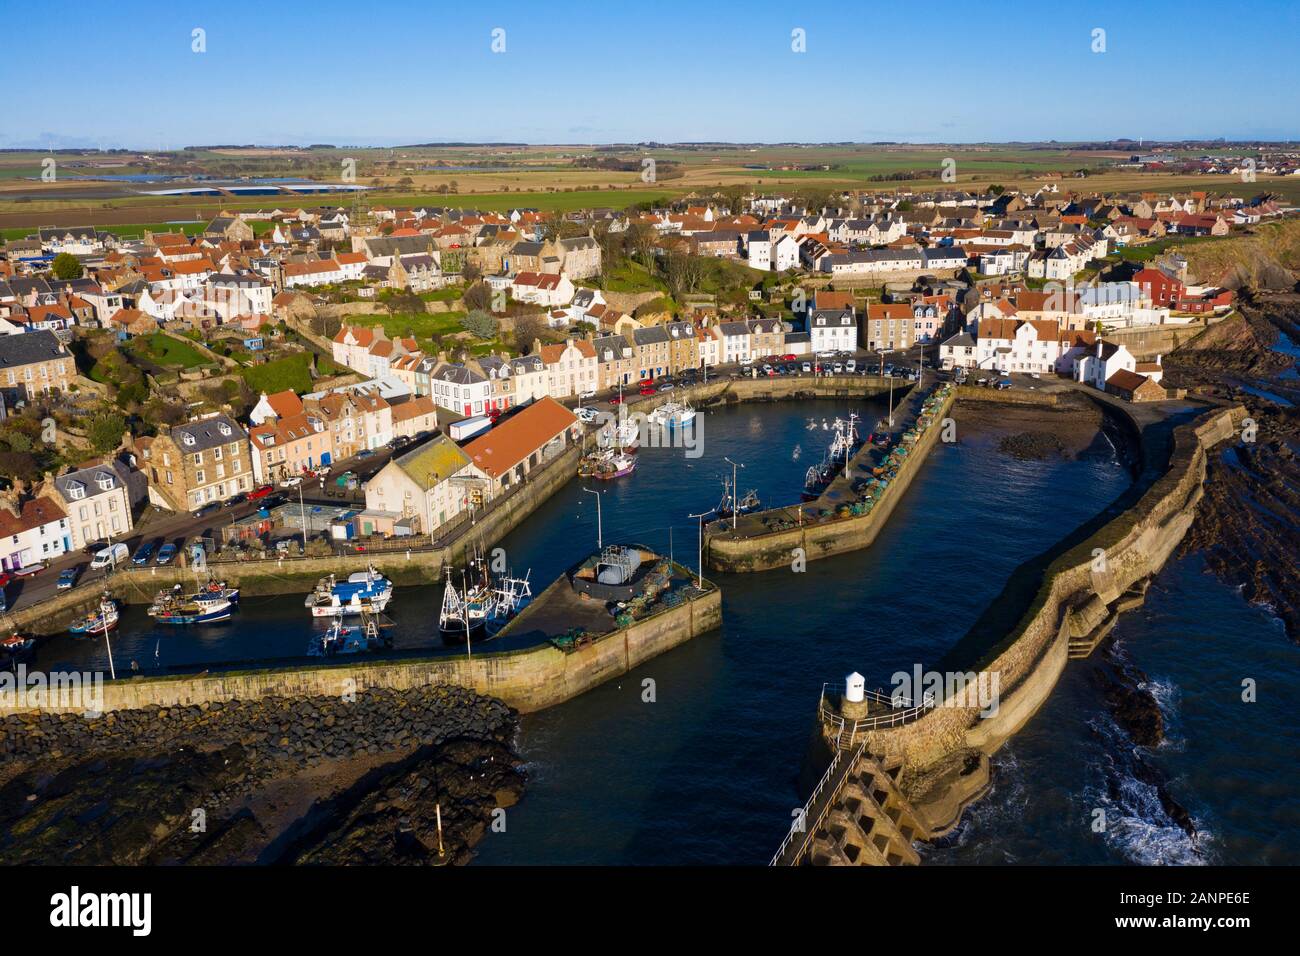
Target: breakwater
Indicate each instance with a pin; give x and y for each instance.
(941, 749)
(848, 516)
(526, 679)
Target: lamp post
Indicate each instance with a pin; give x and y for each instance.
(600, 538)
(882, 353)
(735, 489)
(699, 575)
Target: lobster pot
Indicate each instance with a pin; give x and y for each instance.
(855, 688)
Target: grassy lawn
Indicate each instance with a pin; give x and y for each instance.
(632, 277)
(166, 351)
(290, 372)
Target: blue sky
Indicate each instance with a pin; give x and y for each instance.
(393, 72)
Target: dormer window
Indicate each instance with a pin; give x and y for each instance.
(224, 428)
(76, 490)
(188, 439)
(104, 480)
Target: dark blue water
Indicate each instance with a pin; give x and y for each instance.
(1230, 763)
(706, 771)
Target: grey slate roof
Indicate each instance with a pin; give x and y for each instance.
(25, 348)
(208, 433)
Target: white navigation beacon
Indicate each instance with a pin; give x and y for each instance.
(855, 687)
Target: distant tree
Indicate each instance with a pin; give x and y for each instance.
(481, 323)
(528, 328)
(470, 271)
(105, 431)
(478, 296)
(66, 266)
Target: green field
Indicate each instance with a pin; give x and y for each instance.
(166, 351)
(291, 372)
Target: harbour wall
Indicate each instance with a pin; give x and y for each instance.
(528, 680)
(1071, 600)
(821, 538)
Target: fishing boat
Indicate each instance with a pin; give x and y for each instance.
(103, 618)
(176, 607)
(343, 638)
(673, 415)
(607, 465)
(622, 435)
(366, 590)
(729, 505)
(16, 648)
(218, 589)
(844, 443)
(466, 609)
(512, 596)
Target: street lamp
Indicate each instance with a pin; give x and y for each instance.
(735, 490)
(882, 353)
(600, 538)
(699, 575)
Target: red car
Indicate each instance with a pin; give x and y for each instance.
(648, 390)
(788, 358)
(5, 578)
(260, 492)
(616, 400)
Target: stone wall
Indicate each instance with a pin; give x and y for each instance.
(1029, 660)
(821, 538)
(528, 680)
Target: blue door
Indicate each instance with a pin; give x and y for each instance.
(325, 458)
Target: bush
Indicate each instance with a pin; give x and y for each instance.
(480, 323)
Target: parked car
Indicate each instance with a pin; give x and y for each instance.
(27, 570)
(68, 577)
(142, 554)
(293, 481)
(587, 393)
(364, 453)
(110, 557)
(259, 493)
(1002, 383)
(206, 510)
(806, 367)
(666, 387)
(616, 400)
(5, 578)
(234, 500)
(587, 415)
(851, 365)
(648, 390)
(165, 554)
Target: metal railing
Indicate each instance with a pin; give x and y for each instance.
(902, 710)
(800, 827)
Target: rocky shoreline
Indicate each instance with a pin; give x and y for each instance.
(313, 780)
(1248, 526)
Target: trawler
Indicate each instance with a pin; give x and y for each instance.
(343, 638)
(176, 607)
(366, 590)
(729, 505)
(673, 415)
(622, 435)
(466, 609)
(844, 443)
(607, 464)
(512, 596)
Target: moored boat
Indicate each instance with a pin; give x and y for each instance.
(176, 607)
(16, 648)
(729, 505)
(363, 591)
(103, 618)
(466, 609)
(607, 465)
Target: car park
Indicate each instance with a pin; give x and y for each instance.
(165, 554)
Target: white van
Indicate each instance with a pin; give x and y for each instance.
(111, 556)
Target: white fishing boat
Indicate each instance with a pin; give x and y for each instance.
(363, 591)
(622, 435)
(512, 596)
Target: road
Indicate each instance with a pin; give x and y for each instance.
(178, 527)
